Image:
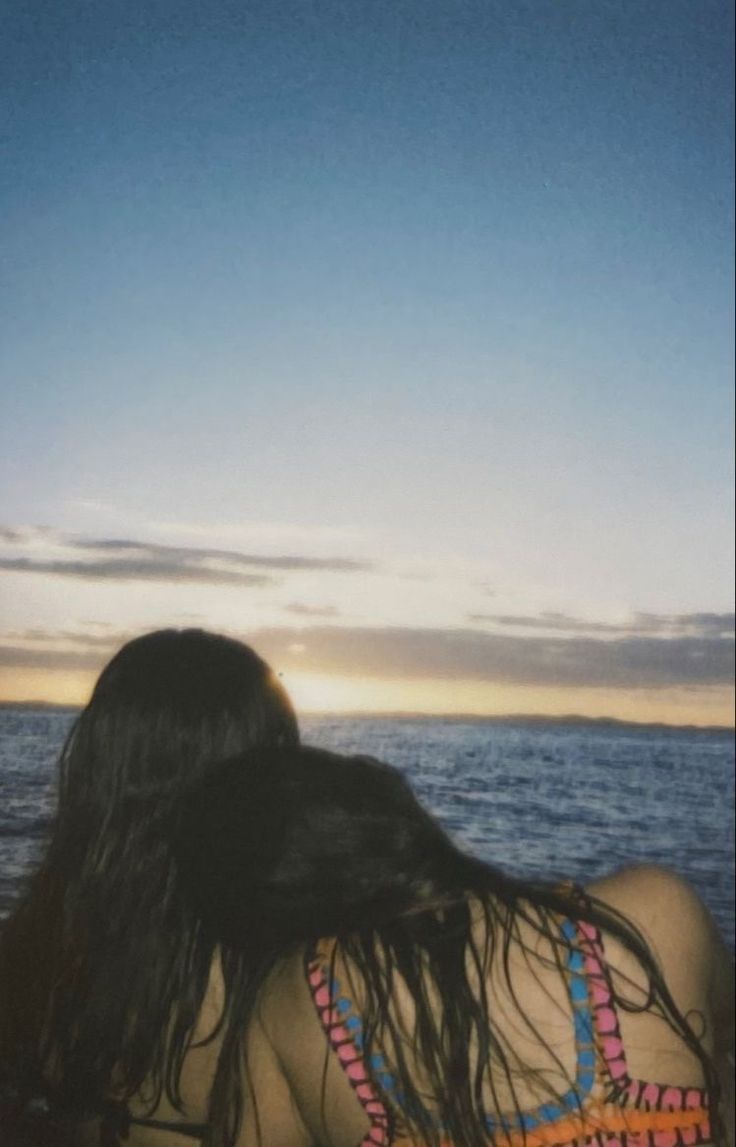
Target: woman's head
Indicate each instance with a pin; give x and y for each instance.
(166, 705)
(119, 961)
(284, 844)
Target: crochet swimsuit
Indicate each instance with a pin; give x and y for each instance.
(604, 1108)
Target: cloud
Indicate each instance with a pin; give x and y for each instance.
(24, 535)
(111, 639)
(641, 624)
(188, 553)
(303, 610)
(55, 649)
(118, 569)
(125, 559)
(437, 654)
(451, 654)
(22, 657)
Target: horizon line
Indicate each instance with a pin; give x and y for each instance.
(408, 714)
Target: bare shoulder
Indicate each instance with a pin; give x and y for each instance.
(645, 878)
(665, 908)
(681, 934)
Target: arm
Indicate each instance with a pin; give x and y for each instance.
(721, 996)
(695, 962)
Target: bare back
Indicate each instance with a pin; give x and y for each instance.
(197, 1077)
(299, 1094)
(317, 1101)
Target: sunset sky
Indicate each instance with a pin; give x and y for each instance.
(393, 337)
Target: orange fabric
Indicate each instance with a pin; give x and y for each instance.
(608, 1120)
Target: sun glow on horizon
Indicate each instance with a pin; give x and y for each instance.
(44, 686)
(322, 693)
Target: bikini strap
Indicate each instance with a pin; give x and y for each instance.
(116, 1122)
(620, 1086)
(343, 1028)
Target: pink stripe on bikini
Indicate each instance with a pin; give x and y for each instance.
(605, 1021)
(350, 1059)
(605, 1018)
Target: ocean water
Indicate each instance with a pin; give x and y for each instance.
(540, 799)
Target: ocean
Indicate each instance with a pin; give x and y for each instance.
(536, 798)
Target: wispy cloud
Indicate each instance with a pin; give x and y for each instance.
(55, 649)
(109, 638)
(126, 559)
(21, 657)
(301, 609)
(188, 553)
(641, 624)
(24, 535)
(142, 569)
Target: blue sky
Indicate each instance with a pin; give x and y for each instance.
(441, 289)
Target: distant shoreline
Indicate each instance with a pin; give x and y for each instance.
(568, 719)
(571, 720)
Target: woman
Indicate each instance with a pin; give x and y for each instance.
(453, 1004)
(109, 989)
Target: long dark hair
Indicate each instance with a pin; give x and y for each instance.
(282, 848)
(103, 965)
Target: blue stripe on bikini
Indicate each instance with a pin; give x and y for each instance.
(547, 1112)
(585, 1067)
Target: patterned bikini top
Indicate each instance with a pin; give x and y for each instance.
(605, 1107)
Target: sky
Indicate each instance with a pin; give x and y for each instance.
(393, 338)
